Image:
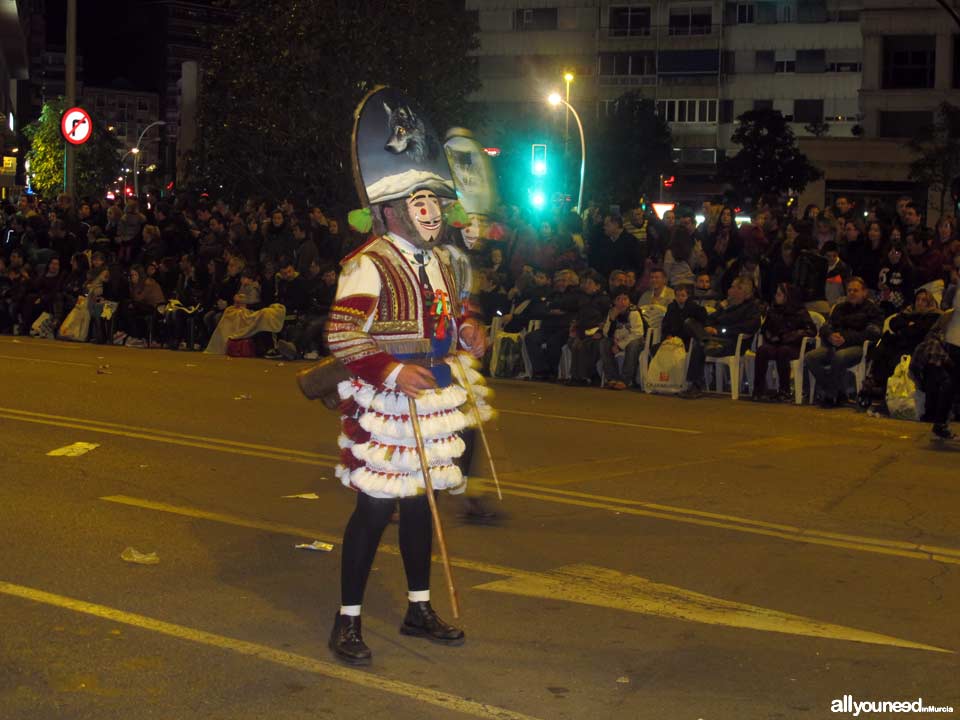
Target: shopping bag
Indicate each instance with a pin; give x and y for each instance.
(42, 326)
(904, 400)
(665, 374)
(76, 326)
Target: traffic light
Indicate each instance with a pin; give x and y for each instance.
(668, 181)
(538, 199)
(538, 159)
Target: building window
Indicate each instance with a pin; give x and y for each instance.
(845, 67)
(785, 13)
(785, 66)
(851, 16)
(533, 19)
(728, 62)
(142, 105)
(745, 12)
(811, 61)
(692, 20)
(629, 21)
(765, 61)
(808, 111)
(909, 61)
(688, 111)
(903, 124)
(628, 63)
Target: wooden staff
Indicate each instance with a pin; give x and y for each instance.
(479, 421)
(428, 486)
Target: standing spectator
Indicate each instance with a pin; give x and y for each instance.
(128, 234)
(277, 238)
(545, 344)
(837, 275)
(937, 360)
(780, 270)
(677, 263)
(739, 313)
(615, 248)
(927, 262)
(868, 259)
(786, 325)
(850, 324)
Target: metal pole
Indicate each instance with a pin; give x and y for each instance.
(71, 94)
(566, 129)
(136, 155)
(583, 155)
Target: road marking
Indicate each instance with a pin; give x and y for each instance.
(302, 663)
(75, 450)
(173, 438)
(588, 585)
(51, 362)
(726, 522)
(601, 422)
(533, 492)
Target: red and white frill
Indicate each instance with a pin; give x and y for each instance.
(378, 450)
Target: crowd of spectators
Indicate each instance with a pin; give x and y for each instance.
(581, 289)
(589, 287)
(167, 274)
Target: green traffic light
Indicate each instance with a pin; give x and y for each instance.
(538, 199)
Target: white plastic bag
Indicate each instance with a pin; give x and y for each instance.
(42, 326)
(904, 400)
(76, 326)
(665, 374)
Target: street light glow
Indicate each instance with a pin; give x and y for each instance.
(135, 150)
(554, 99)
(568, 77)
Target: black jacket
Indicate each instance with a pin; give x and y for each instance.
(857, 323)
(788, 325)
(676, 316)
(736, 319)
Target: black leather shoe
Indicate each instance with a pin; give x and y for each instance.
(422, 621)
(346, 641)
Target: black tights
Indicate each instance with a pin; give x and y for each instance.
(362, 536)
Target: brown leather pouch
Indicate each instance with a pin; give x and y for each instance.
(320, 381)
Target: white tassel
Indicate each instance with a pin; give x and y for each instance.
(402, 484)
(343, 442)
(392, 459)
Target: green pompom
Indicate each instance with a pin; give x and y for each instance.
(360, 220)
(456, 215)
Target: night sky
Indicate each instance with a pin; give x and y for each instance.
(114, 38)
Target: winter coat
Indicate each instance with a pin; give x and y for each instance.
(788, 324)
(857, 323)
(677, 315)
(148, 292)
(625, 328)
(932, 351)
(732, 320)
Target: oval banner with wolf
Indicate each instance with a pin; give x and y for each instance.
(395, 150)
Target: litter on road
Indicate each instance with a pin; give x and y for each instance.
(74, 450)
(304, 496)
(315, 545)
(131, 555)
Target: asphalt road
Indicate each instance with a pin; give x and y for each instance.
(660, 559)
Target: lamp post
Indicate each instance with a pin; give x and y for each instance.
(555, 99)
(136, 155)
(567, 78)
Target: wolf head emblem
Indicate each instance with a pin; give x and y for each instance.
(407, 134)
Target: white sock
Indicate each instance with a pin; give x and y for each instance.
(418, 595)
(350, 610)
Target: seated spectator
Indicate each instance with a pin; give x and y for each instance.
(287, 288)
(852, 322)
(895, 281)
(703, 291)
(321, 290)
(73, 283)
(491, 298)
(677, 262)
(905, 331)
(189, 295)
(683, 308)
(222, 290)
(44, 295)
(153, 246)
(623, 336)
(545, 344)
(137, 311)
(780, 270)
(717, 337)
(786, 325)
(585, 332)
(659, 293)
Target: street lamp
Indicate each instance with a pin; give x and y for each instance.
(555, 100)
(136, 154)
(567, 78)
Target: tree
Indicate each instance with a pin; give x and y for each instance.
(628, 150)
(283, 80)
(768, 160)
(97, 160)
(938, 150)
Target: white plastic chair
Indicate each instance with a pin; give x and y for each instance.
(651, 338)
(734, 365)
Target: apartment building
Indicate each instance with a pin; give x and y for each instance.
(846, 73)
(128, 112)
(14, 92)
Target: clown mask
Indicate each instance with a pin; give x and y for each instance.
(423, 207)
